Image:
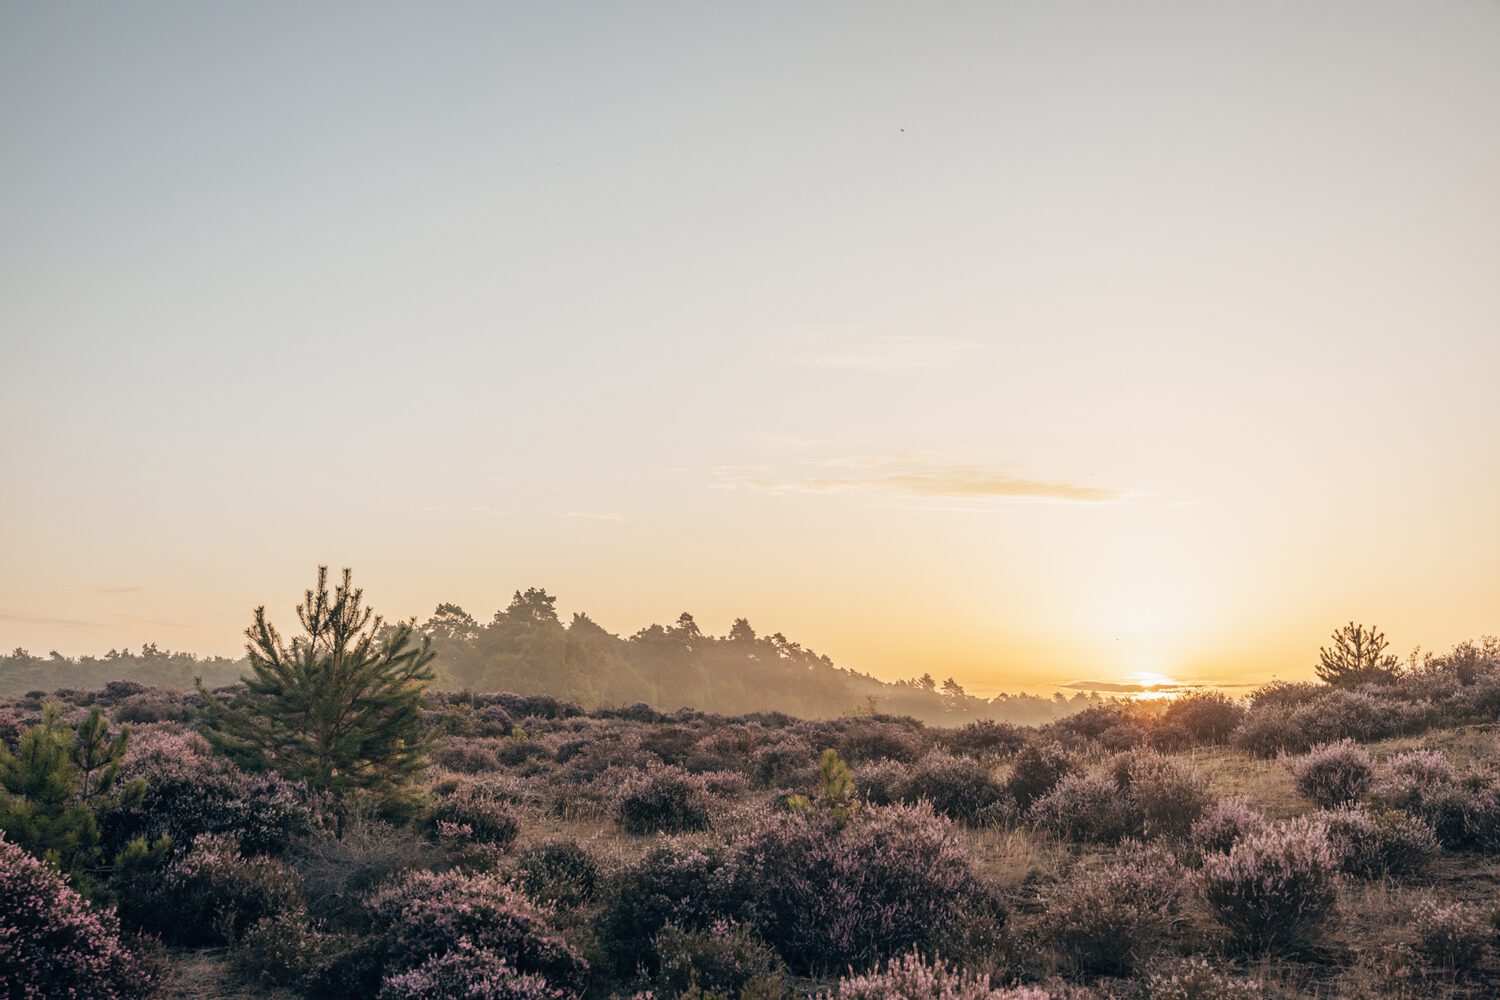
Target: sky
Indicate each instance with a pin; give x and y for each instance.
(1017, 342)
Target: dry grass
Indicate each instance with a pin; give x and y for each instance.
(193, 975)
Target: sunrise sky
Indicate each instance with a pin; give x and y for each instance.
(1026, 343)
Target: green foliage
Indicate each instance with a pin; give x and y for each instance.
(1357, 655)
(835, 799)
(339, 707)
(58, 785)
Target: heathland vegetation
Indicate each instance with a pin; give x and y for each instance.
(337, 826)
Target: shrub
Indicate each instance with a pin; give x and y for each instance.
(1453, 936)
(213, 892)
(1165, 796)
(1206, 717)
(986, 738)
(961, 789)
(1034, 772)
(880, 783)
(1390, 843)
(891, 879)
(560, 873)
(1223, 825)
(675, 882)
(663, 800)
(1110, 919)
(424, 915)
(1195, 979)
(912, 977)
(1463, 814)
(188, 792)
(1084, 808)
(1276, 887)
(1332, 774)
(467, 972)
(725, 959)
(337, 872)
(483, 816)
(1268, 730)
(873, 739)
(1343, 714)
(53, 943)
(466, 756)
(284, 949)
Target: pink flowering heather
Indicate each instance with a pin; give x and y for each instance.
(893, 878)
(1111, 919)
(467, 973)
(912, 977)
(426, 914)
(53, 943)
(663, 800)
(1332, 774)
(1223, 824)
(1085, 807)
(1453, 936)
(1276, 887)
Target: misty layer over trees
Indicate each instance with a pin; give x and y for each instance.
(528, 649)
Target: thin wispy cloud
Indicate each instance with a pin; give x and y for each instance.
(849, 350)
(48, 621)
(589, 515)
(951, 482)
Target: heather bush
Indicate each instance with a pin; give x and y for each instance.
(881, 782)
(54, 943)
(1276, 887)
(467, 972)
(891, 878)
(872, 739)
(663, 800)
(1222, 825)
(1464, 813)
(424, 915)
(1205, 716)
(1035, 770)
(1370, 845)
(961, 789)
(212, 892)
(467, 756)
(1268, 730)
(911, 977)
(475, 813)
(1196, 979)
(725, 959)
(1165, 797)
(560, 873)
(283, 949)
(1452, 936)
(676, 882)
(1343, 714)
(985, 738)
(1084, 808)
(189, 792)
(1091, 723)
(1111, 919)
(1332, 774)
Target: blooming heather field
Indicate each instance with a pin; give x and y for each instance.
(1309, 841)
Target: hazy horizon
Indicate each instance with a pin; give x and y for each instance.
(1021, 344)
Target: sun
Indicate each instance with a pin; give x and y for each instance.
(1157, 686)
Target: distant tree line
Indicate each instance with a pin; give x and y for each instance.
(526, 648)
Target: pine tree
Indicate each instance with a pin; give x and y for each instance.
(1357, 656)
(339, 707)
(57, 786)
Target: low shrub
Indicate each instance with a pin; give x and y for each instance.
(912, 977)
(829, 895)
(881, 783)
(467, 756)
(663, 800)
(1276, 887)
(284, 949)
(986, 738)
(1332, 774)
(1035, 770)
(675, 882)
(1268, 730)
(1084, 808)
(469, 972)
(1222, 825)
(961, 789)
(1207, 717)
(1196, 979)
(472, 809)
(54, 943)
(1374, 844)
(338, 871)
(1111, 919)
(1452, 936)
(560, 873)
(725, 959)
(212, 892)
(425, 915)
(1165, 797)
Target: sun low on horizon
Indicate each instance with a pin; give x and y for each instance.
(1128, 349)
